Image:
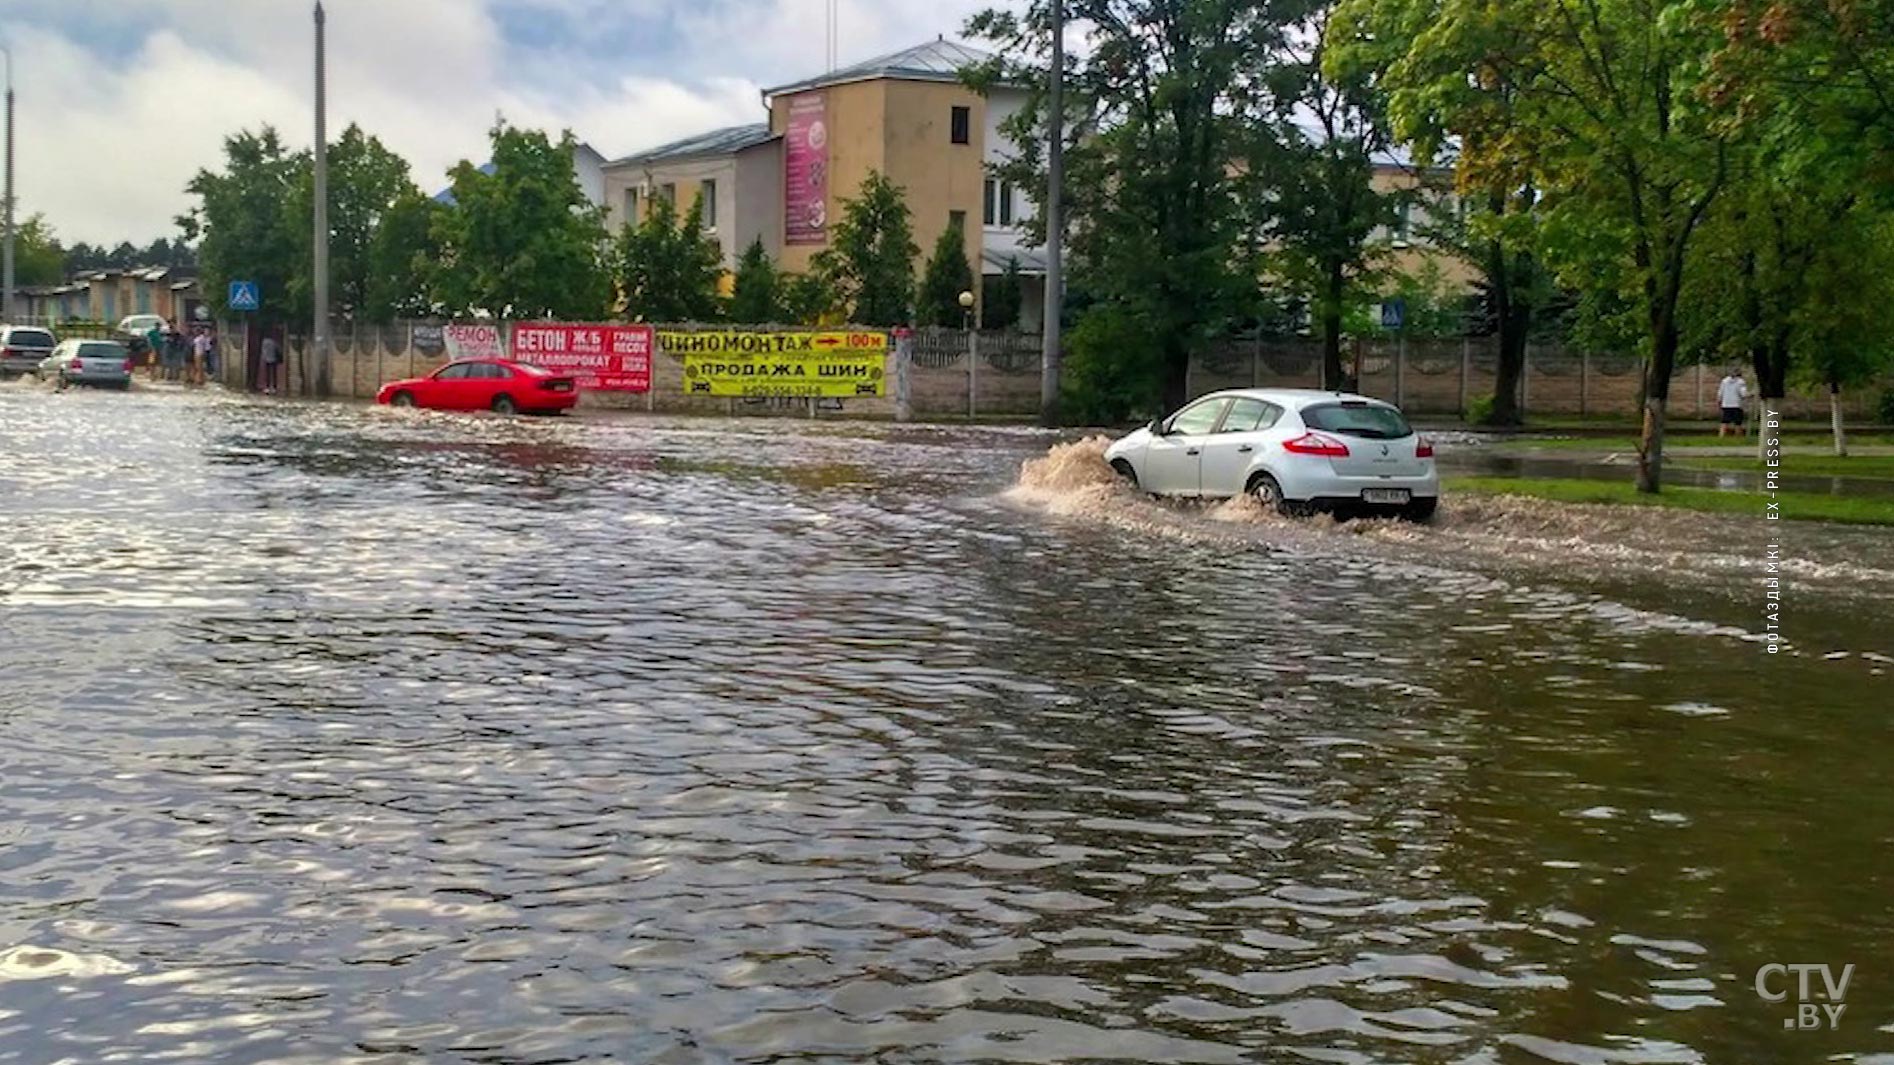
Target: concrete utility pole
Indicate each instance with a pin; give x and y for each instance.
(319, 340)
(6, 269)
(1051, 355)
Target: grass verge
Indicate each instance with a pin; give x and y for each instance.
(1676, 442)
(1880, 467)
(1805, 506)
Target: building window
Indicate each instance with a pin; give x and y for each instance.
(631, 207)
(1403, 223)
(1006, 203)
(668, 190)
(963, 125)
(992, 197)
(709, 193)
(957, 220)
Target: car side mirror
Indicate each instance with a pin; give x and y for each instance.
(1156, 427)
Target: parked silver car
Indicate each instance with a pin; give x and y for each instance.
(89, 362)
(23, 348)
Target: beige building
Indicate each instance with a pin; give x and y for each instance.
(737, 171)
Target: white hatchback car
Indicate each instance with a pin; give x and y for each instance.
(1297, 450)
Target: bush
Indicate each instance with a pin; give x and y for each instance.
(1884, 411)
(1480, 410)
(1111, 368)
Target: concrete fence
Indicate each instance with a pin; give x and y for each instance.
(996, 373)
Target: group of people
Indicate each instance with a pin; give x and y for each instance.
(173, 356)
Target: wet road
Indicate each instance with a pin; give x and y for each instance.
(334, 734)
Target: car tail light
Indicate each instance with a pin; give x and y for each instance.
(7, 352)
(128, 366)
(1424, 449)
(1316, 444)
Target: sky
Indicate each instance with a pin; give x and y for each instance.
(120, 102)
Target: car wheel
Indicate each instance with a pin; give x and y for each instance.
(1123, 469)
(505, 405)
(1268, 492)
(402, 399)
(1421, 509)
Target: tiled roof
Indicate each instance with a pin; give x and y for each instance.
(717, 142)
(937, 60)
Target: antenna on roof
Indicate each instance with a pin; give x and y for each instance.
(832, 38)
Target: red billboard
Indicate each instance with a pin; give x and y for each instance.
(806, 171)
(608, 358)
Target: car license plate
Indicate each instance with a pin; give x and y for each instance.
(562, 386)
(1384, 495)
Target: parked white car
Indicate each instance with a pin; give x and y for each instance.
(1296, 450)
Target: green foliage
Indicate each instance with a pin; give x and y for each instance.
(1003, 297)
(1113, 367)
(523, 241)
(946, 277)
(869, 263)
(37, 257)
(753, 297)
(808, 299)
(1169, 94)
(1479, 410)
(240, 223)
(160, 252)
(365, 181)
(667, 269)
(1435, 307)
(401, 258)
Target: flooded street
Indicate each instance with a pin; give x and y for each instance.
(331, 733)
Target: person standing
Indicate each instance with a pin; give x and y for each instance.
(174, 349)
(200, 356)
(154, 348)
(1731, 394)
(272, 357)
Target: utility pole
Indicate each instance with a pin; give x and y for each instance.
(320, 334)
(1051, 356)
(6, 269)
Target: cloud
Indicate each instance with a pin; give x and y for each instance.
(120, 102)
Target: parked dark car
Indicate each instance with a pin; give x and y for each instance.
(22, 348)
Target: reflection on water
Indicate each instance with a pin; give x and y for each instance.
(1617, 467)
(336, 734)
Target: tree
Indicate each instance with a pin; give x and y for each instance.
(1840, 326)
(667, 270)
(869, 263)
(239, 221)
(753, 296)
(37, 257)
(1599, 105)
(522, 241)
(808, 299)
(1003, 298)
(947, 275)
(365, 181)
(1162, 100)
(401, 260)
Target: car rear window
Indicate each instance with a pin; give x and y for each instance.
(99, 349)
(536, 371)
(29, 338)
(1369, 420)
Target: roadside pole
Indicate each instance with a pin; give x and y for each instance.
(1051, 358)
(1466, 367)
(6, 296)
(903, 357)
(1400, 367)
(320, 223)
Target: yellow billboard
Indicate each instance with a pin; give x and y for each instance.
(829, 364)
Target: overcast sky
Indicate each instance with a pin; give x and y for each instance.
(121, 101)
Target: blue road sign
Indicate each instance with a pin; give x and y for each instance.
(1393, 313)
(244, 296)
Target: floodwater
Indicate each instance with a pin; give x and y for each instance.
(336, 734)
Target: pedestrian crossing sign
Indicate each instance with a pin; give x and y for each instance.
(243, 296)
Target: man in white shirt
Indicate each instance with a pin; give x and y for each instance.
(1731, 394)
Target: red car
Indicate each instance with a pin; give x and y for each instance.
(498, 385)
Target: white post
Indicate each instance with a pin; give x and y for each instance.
(320, 224)
(903, 358)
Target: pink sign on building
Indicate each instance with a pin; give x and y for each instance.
(806, 171)
(608, 358)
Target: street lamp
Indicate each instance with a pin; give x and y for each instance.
(6, 269)
(973, 352)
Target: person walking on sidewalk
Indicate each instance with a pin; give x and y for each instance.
(1731, 393)
(200, 357)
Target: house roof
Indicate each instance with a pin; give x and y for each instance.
(937, 60)
(725, 141)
